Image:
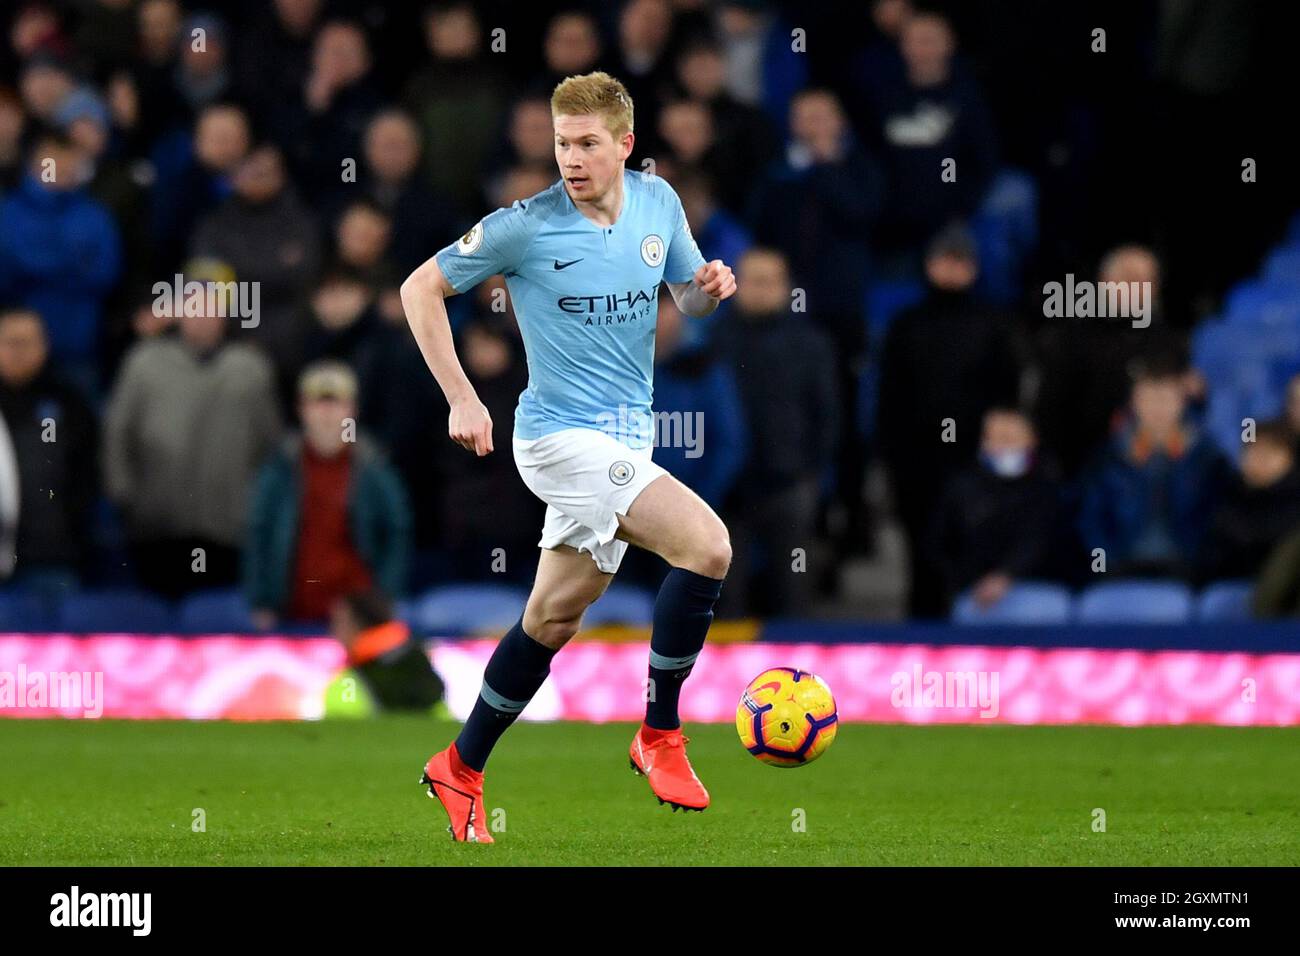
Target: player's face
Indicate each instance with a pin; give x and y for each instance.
(588, 156)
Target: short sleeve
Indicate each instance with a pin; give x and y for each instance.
(684, 256)
(494, 245)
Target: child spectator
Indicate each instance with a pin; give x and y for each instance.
(1148, 500)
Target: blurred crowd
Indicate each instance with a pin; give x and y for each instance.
(322, 150)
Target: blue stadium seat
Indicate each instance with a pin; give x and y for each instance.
(118, 611)
(471, 608)
(1134, 602)
(1247, 368)
(23, 611)
(215, 612)
(1027, 602)
(621, 605)
(1282, 267)
(1263, 303)
(1225, 602)
(1228, 406)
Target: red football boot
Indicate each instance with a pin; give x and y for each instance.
(459, 788)
(660, 756)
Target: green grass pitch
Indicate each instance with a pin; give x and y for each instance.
(331, 793)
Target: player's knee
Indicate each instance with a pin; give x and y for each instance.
(553, 620)
(714, 555)
(555, 634)
(551, 632)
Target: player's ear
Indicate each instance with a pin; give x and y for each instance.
(629, 138)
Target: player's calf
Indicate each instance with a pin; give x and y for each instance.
(514, 673)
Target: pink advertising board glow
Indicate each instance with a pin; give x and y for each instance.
(269, 678)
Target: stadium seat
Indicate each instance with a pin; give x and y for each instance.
(23, 611)
(621, 605)
(1229, 406)
(1282, 267)
(119, 611)
(1134, 602)
(1263, 303)
(215, 612)
(469, 608)
(1247, 368)
(1027, 603)
(1225, 602)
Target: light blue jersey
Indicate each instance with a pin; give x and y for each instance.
(587, 300)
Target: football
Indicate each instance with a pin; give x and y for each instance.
(786, 717)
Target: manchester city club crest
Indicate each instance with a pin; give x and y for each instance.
(621, 472)
(652, 250)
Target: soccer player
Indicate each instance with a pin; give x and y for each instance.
(583, 261)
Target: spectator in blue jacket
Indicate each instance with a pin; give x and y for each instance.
(1149, 499)
(329, 515)
(60, 253)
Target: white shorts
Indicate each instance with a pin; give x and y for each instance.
(587, 479)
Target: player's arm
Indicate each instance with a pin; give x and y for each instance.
(713, 282)
(424, 295)
(710, 282)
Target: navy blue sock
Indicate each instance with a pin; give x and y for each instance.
(683, 613)
(516, 669)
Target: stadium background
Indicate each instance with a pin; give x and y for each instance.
(821, 426)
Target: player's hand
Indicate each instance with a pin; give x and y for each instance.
(470, 426)
(715, 279)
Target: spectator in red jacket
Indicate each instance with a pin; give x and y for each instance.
(329, 515)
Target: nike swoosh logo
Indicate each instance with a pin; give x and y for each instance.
(564, 265)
